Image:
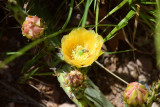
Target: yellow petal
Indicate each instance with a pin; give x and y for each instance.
(90, 43)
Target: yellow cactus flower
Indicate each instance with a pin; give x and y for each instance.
(81, 47)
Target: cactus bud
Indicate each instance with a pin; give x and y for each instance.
(32, 27)
(135, 94)
(74, 78)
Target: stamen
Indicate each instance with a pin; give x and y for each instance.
(79, 54)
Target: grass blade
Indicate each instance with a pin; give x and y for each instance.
(27, 76)
(118, 51)
(157, 34)
(148, 2)
(85, 13)
(97, 13)
(79, 3)
(121, 24)
(115, 9)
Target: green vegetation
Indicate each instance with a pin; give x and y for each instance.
(129, 12)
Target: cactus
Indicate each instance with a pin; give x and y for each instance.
(154, 93)
(72, 90)
(135, 94)
(75, 78)
(32, 27)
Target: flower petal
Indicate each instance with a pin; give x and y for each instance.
(89, 40)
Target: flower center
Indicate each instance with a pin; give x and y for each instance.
(80, 53)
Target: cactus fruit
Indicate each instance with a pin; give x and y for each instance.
(75, 78)
(135, 94)
(32, 27)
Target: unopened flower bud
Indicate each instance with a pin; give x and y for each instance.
(32, 27)
(75, 78)
(135, 94)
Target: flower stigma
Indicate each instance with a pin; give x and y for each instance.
(80, 53)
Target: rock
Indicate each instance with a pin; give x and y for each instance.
(139, 63)
(67, 105)
(125, 70)
(106, 61)
(134, 74)
(120, 70)
(114, 91)
(155, 105)
(112, 67)
(49, 103)
(117, 101)
(131, 65)
(142, 79)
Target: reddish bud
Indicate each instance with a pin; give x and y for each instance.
(74, 78)
(32, 27)
(135, 94)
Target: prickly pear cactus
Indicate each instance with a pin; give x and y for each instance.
(135, 94)
(32, 27)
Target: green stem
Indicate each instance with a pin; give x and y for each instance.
(17, 11)
(97, 13)
(34, 43)
(69, 15)
(85, 13)
(26, 48)
(157, 34)
(151, 99)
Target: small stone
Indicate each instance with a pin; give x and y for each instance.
(112, 59)
(125, 70)
(142, 79)
(67, 105)
(78, 16)
(49, 103)
(134, 74)
(120, 70)
(112, 67)
(138, 62)
(155, 105)
(114, 91)
(131, 65)
(106, 61)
